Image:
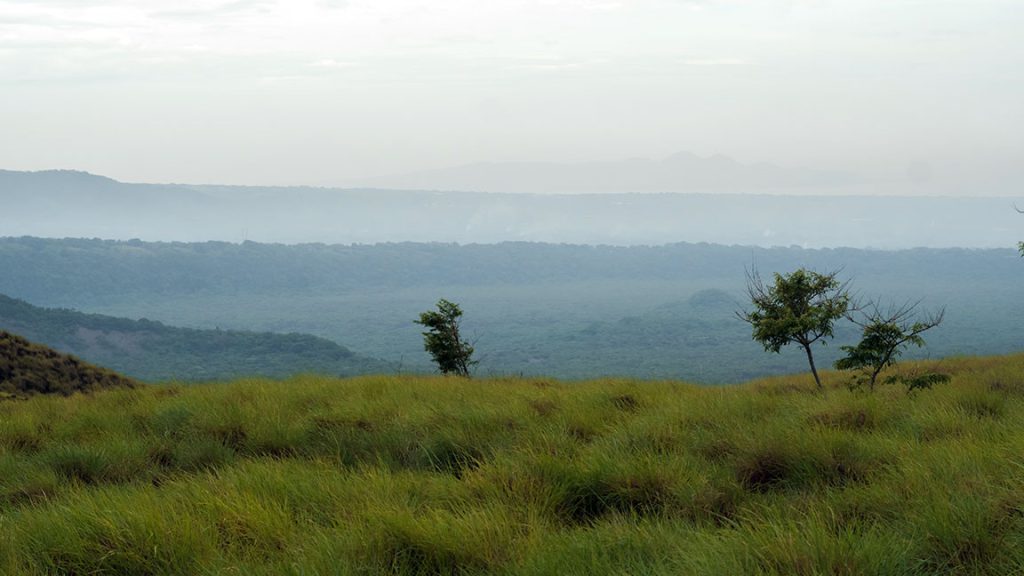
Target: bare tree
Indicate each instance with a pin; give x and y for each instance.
(885, 332)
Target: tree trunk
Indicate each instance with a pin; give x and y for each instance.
(874, 377)
(814, 371)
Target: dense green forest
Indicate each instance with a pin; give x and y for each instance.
(563, 310)
(152, 351)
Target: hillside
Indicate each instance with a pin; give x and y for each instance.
(414, 475)
(153, 351)
(27, 369)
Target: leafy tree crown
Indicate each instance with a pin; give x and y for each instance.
(800, 307)
(885, 334)
(443, 340)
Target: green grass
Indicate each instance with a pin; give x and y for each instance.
(421, 475)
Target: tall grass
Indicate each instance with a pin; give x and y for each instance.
(420, 475)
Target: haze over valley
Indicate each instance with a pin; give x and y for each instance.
(719, 207)
(558, 310)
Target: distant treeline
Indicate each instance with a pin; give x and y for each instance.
(75, 270)
(562, 310)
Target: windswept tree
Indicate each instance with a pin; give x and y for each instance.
(442, 340)
(797, 308)
(885, 334)
(1020, 245)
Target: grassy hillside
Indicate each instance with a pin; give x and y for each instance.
(27, 369)
(416, 475)
(154, 351)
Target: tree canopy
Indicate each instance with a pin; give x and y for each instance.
(884, 336)
(800, 307)
(443, 341)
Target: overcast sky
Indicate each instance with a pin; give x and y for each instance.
(330, 91)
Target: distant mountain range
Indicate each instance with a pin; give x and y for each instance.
(59, 204)
(153, 351)
(681, 172)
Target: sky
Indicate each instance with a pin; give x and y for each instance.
(331, 92)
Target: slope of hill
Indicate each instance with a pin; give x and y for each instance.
(412, 475)
(154, 351)
(27, 369)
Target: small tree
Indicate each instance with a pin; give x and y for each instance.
(1020, 245)
(799, 307)
(885, 334)
(443, 341)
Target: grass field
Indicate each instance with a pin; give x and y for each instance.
(421, 475)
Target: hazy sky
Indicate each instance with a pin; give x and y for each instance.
(326, 92)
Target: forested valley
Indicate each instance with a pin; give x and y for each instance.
(567, 311)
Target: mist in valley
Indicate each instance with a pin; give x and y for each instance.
(60, 204)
